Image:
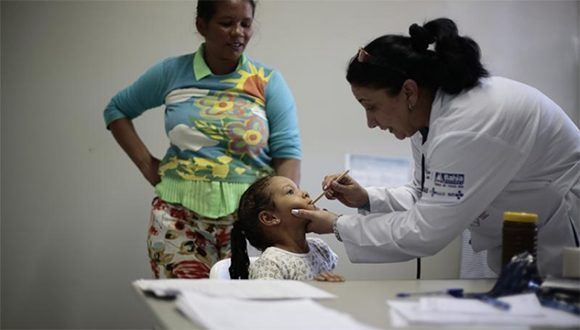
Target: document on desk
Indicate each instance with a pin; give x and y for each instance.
(240, 314)
(246, 289)
(525, 311)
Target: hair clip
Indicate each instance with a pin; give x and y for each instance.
(363, 56)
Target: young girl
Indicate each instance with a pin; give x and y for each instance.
(264, 218)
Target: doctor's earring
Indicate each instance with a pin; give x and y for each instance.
(411, 107)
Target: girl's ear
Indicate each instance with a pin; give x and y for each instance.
(268, 218)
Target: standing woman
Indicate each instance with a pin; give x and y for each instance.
(481, 146)
(230, 120)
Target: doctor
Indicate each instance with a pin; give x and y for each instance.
(481, 146)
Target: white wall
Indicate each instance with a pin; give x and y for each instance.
(75, 209)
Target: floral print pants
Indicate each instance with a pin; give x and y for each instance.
(184, 244)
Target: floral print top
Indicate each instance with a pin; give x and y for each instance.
(223, 130)
(278, 264)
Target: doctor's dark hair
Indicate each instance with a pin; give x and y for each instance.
(255, 199)
(207, 8)
(453, 65)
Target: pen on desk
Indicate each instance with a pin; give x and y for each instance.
(494, 302)
(322, 194)
(455, 292)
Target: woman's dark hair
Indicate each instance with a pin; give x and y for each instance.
(253, 201)
(207, 8)
(453, 65)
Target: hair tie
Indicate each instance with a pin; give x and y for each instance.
(420, 37)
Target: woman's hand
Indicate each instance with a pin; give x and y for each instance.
(346, 190)
(320, 220)
(150, 170)
(126, 135)
(329, 277)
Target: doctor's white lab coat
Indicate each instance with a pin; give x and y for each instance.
(501, 146)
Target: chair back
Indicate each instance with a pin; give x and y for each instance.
(221, 269)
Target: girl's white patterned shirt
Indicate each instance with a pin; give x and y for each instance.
(275, 263)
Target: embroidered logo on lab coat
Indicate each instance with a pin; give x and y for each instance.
(451, 180)
(447, 187)
(441, 193)
(435, 192)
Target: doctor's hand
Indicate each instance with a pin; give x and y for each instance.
(320, 220)
(346, 190)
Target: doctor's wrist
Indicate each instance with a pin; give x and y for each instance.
(335, 228)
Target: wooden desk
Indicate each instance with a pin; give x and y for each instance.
(363, 300)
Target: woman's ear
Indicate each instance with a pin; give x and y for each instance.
(201, 26)
(411, 92)
(268, 218)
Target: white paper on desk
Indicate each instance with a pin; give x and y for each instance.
(525, 305)
(525, 311)
(247, 289)
(228, 313)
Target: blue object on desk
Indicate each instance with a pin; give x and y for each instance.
(490, 300)
(520, 275)
(561, 305)
(455, 292)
